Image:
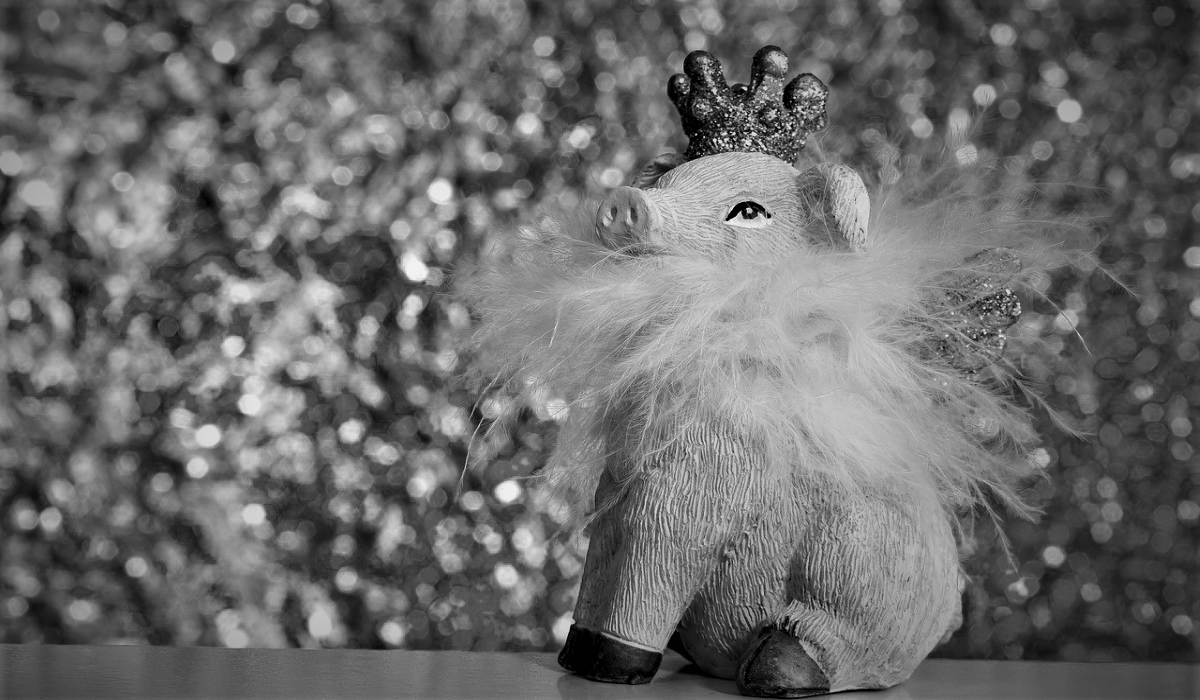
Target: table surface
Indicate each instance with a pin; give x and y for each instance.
(49, 671)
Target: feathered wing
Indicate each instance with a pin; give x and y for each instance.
(834, 360)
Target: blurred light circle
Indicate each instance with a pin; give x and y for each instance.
(136, 567)
(1010, 109)
(235, 639)
(1182, 624)
(197, 467)
(11, 163)
(529, 124)
(507, 491)
(413, 267)
(543, 46)
(16, 606)
(37, 193)
(922, 128)
(346, 579)
(522, 538)
(1003, 34)
(49, 20)
(440, 191)
(82, 610)
(1069, 111)
(984, 95)
(491, 161)
(162, 482)
(208, 436)
(392, 633)
(223, 51)
(420, 485)
(249, 404)
(233, 346)
(1191, 257)
(959, 122)
(471, 500)
(320, 624)
(51, 519)
(122, 181)
(611, 177)
(352, 431)
(254, 514)
(506, 575)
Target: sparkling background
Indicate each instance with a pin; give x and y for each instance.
(229, 412)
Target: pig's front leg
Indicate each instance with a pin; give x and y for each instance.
(653, 549)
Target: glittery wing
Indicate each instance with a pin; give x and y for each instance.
(976, 309)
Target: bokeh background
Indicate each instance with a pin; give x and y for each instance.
(229, 412)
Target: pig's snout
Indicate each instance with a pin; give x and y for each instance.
(625, 219)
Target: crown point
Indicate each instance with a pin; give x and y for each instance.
(698, 60)
(806, 97)
(704, 69)
(767, 72)
(770, 60)
(678, 88)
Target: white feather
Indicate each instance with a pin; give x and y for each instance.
(822, 356)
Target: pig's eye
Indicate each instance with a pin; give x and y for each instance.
(748, 215)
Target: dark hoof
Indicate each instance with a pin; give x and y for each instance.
(600, 658)
(776, 666)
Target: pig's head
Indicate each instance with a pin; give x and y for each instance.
(738, 202)
(734, 189)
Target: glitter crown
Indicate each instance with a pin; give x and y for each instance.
(763, 117)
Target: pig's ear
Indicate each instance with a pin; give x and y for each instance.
(838, 194)
(653, 170)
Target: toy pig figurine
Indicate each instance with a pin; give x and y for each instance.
(778, 396)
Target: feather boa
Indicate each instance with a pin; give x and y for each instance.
(824, 356)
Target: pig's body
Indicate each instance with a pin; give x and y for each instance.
(705, 543)
(782, 578)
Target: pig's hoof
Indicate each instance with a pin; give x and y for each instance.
(601, 658)
(776, 666)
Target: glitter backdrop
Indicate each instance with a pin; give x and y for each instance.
(230, 413)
